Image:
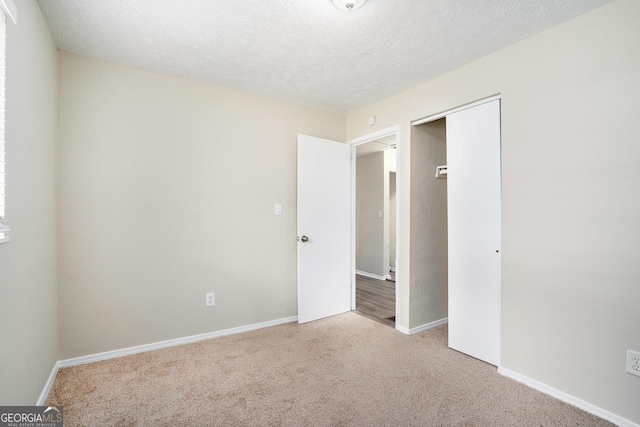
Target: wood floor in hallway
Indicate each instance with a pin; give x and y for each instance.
(376, 299)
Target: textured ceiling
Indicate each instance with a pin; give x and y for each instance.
(304, 51)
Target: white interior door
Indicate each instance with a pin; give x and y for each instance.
(473, 202)
(324, 228)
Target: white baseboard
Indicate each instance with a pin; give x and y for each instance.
(567, 398)
(371, 275)
(171, 343)
(153, 346)
(48, 384)
(422, 327)
(393, 269)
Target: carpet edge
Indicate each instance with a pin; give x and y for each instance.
(567, 398)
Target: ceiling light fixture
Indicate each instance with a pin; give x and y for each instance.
(349, 4)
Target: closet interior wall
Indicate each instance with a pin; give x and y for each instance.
(429, 271)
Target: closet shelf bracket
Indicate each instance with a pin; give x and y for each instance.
(441, 171)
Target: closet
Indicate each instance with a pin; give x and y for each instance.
(473, 191)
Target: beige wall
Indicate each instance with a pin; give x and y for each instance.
(28, 293)
(369, 225)
(373, 196)
(429, 274)
(389, 166)
(167, 191)
(392, 219)
(571, 235)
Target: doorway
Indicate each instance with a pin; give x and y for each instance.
(326, 225)
(374, 194)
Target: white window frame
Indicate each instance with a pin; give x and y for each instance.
(7, 11)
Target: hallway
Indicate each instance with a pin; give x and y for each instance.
(376, 299)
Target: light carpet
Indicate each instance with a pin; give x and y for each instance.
(346, 370)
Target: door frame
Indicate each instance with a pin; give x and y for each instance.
(445, 113)
(383, 133)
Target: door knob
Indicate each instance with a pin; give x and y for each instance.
(304, 239)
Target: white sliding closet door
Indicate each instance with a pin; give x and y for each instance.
(473, 202)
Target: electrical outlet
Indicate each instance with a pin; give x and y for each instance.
(633, 362)
(210, 299)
